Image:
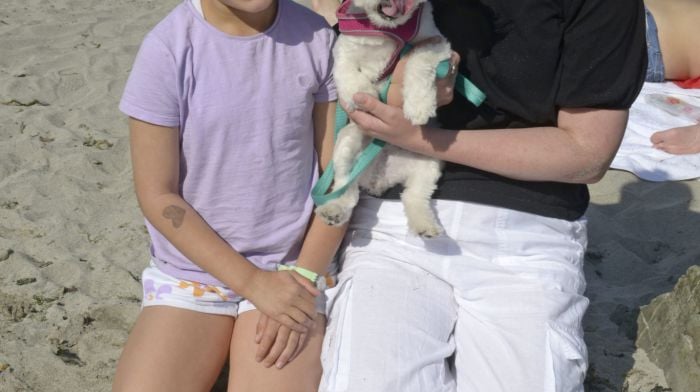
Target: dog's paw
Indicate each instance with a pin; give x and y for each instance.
(374, 191)
(418, 114)
(333, 214)
(427, 231)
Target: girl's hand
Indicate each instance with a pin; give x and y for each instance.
(277, 344)
(284, 296)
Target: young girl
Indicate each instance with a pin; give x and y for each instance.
(227, 100)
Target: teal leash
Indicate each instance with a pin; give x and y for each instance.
(318, 193)
(463, 85)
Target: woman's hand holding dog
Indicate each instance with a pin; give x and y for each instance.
(381, 121)
(387, 121)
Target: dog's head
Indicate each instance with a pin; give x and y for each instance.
(388, 13)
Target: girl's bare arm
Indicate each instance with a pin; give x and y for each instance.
(321, 241)
(278, 345)
(155, 158)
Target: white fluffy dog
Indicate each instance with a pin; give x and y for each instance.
(360, 63)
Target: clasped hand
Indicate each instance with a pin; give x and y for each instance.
(286, 297)
(287, 305)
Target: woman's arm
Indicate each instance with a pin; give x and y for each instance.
(578, 150)
(155, 158)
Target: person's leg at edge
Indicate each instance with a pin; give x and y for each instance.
(302, 374)
(655, 61)
(171, 349)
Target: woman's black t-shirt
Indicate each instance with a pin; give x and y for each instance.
(531, 58)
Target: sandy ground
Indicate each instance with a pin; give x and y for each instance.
(73, 243)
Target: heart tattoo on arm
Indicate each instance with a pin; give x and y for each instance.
(175, 214)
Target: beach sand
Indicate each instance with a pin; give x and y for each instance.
(73, 242)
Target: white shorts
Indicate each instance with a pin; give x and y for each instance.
(160, 288)
(493, 306)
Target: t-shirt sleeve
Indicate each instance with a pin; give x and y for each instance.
(604, 55)
(326, 91)
(151, 94)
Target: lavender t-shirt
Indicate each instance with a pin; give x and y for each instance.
(243, 106)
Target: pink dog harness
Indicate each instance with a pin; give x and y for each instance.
(359, 24)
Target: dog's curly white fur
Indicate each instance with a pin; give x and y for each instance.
(359, 63)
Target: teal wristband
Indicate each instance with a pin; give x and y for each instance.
(307, 273)
(317, 280)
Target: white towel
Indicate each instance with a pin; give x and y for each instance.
(636, 153)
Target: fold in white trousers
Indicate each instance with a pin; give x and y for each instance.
(495, 305)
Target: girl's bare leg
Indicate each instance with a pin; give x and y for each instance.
(171, 349)
(303, 374)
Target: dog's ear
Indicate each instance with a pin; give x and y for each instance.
(468, 24)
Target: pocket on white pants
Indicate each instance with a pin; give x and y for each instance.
(568, 359)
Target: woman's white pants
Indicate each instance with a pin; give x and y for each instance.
(495, 305)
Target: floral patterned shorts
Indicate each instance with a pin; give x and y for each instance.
(163, 289)
(160, 288)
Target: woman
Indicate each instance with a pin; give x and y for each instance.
(496, 304)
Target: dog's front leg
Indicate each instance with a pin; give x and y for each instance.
(419, 91)
(359, 62)
(348, 146)
(419, 185)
